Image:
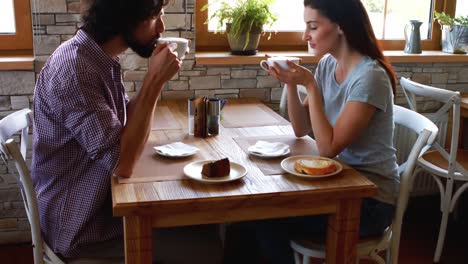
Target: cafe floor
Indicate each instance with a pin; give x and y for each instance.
(417, 246)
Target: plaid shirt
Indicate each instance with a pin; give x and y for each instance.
(79, 112)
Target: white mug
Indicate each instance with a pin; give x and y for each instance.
(182, 45)
(280, 60)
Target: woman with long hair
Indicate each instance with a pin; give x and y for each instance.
(349, 110)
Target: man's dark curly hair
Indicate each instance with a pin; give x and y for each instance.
(106, 19)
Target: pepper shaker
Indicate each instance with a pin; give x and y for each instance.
(213, 117)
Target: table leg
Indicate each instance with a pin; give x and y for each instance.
(343, 232)
(138, 239)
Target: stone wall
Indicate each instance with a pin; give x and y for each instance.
(56, 21)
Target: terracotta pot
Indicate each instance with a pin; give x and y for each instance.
(245, 44)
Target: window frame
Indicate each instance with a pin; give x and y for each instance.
(22, 41)
(292, 41)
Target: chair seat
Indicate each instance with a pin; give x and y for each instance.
(319, 240)
(434, 158)
(315, 246)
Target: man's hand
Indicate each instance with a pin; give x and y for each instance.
(163, 64)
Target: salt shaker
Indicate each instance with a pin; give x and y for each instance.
(213, 117)
(191, 115)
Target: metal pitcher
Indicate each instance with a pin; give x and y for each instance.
(413, 42)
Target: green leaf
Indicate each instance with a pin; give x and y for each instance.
(445, 19)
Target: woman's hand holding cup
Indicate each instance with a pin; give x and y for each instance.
(272, 62)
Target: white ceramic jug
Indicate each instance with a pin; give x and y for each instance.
(413, 42)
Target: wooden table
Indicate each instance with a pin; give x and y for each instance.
(166, 203)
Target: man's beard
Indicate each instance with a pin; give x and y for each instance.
(143, 50)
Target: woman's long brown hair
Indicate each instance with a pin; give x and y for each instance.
(353, 20)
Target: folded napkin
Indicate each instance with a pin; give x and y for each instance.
(268, 148)
(176, 149)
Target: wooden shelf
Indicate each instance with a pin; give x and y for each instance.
(25, 62)
(395, 56)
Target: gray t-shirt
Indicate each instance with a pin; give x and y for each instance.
(372, 152)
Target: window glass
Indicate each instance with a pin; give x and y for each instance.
(289, 14)
(214, 5)
(389, 17)
(462, 8)
(7, 18)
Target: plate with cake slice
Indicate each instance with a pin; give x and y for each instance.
(309, 166)
(215, 171)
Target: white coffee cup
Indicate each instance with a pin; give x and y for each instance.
(182, 45)
(280, 60)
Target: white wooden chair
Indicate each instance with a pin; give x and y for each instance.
(20, 121)
(390, 240)
(447, 167)
(283, 106)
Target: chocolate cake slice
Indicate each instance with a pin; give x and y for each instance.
(218, 168)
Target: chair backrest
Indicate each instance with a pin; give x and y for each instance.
(450, 100)
(20, 121)
(284, 99)
(427, 133)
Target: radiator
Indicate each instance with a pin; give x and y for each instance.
(404, 140)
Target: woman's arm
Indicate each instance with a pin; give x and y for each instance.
(297, 112)
(351, 122)
(330, 140)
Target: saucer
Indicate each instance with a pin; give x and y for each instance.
(176, 150)
(265, 149)
(269, 155)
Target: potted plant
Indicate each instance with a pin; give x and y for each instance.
(244, 23)
(454, 33)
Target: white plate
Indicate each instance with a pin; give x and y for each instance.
(268, 155)
(288, 165)
(193, 171)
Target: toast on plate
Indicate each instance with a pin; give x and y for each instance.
(316, 166)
